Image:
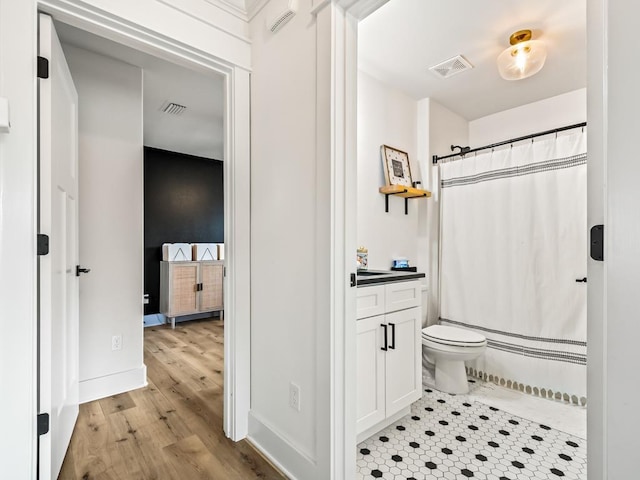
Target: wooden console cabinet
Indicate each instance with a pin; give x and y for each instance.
(187, 288)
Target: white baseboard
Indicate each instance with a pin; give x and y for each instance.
(293, 463)
(101, 387)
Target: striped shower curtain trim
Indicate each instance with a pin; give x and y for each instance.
(517, 171)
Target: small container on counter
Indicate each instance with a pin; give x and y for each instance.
(362, 258)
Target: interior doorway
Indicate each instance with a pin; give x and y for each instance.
(232, 141)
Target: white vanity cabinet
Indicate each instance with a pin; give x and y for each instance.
(388, 352)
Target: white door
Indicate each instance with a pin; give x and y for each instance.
(369, 372)
(58, 117)
(403, 367)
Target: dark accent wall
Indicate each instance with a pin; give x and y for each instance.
(183, 202)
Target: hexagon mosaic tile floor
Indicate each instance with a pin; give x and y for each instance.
(452, 437)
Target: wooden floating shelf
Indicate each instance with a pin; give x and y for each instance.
(404, 192)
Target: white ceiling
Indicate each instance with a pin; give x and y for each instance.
(399, 42)
(199, 129)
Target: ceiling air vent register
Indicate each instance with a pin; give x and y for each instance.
(451, 67)
(285, 12)
(171, 108)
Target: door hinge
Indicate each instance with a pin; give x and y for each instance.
(597, 242)
(43, 244)
(43, 67)
(43, 423)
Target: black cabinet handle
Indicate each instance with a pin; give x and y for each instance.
(393, 336)
(385, 337)
(581, 280)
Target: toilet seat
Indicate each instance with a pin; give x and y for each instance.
(453, 336)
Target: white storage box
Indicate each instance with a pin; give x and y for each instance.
(176, 252)
(204, 251)
(220, 251)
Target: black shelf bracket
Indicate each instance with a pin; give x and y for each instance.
(386, 201)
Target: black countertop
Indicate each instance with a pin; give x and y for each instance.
(373, 277)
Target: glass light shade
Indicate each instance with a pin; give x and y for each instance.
(522, 60)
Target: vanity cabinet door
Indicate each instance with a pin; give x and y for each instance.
(370, 372)
(403, 360)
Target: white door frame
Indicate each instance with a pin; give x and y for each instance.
(344, 129)
(236, 187)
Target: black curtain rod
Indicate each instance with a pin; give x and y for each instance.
(507, 142)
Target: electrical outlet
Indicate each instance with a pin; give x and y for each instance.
(294, 396)
(116, 342)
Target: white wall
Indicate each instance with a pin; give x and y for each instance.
(385, 116)
(566, 109)
(438, 128)
(111, 222)
(290, 193)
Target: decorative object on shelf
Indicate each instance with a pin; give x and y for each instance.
(397, 170)
(524, 58)
(362, 258)
(176, 252)
(397, 173)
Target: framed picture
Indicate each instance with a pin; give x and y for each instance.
(397, 170)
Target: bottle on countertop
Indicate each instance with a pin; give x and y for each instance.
(362, 258)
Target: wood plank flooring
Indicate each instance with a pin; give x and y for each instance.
(172, 429)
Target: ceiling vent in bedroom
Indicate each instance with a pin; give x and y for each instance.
(451, 67)
(171, 108)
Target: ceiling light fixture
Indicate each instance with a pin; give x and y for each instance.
(525, 57)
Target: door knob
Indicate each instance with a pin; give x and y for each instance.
(80, 270)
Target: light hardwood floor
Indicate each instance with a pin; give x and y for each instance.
(171, 429)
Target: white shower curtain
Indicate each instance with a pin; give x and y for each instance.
(513, 244)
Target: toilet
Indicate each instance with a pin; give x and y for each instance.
(449, 348)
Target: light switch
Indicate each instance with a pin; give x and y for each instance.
(5, 124)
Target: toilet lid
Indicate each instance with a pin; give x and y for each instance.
(453, 335)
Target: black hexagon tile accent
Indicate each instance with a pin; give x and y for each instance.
(456, 437)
